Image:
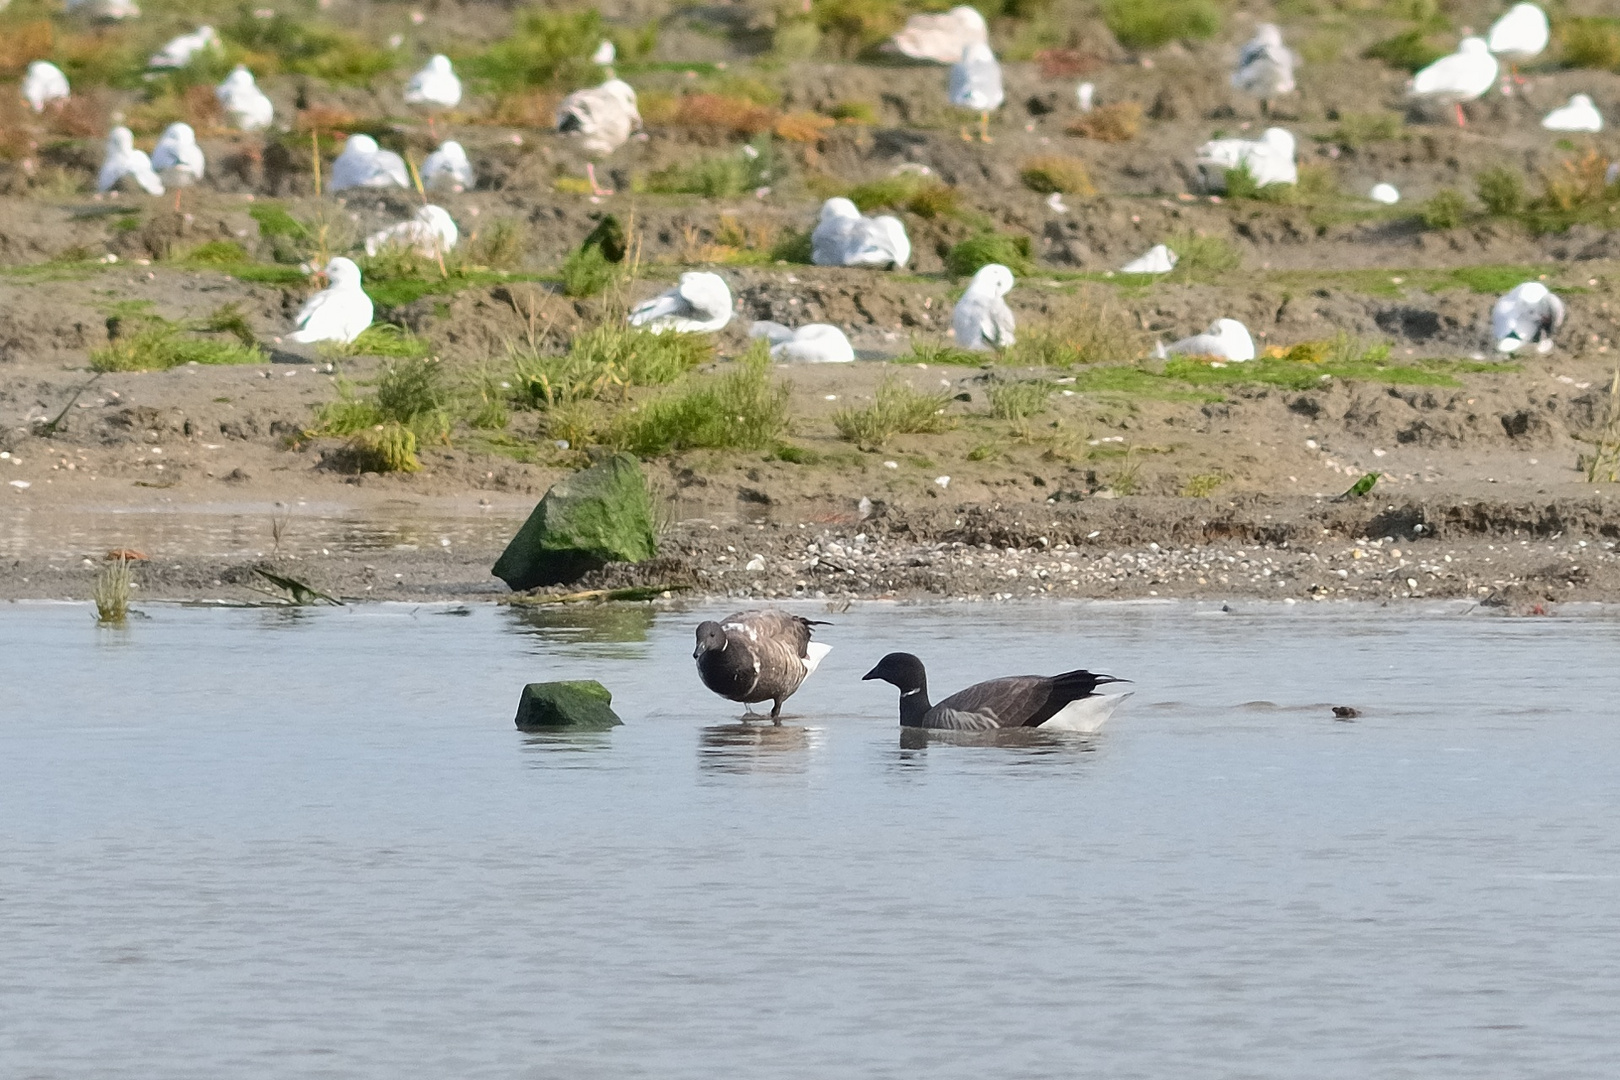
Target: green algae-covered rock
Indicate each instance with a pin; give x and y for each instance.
(585, 705)
(597, 516)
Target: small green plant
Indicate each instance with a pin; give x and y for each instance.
(547, 48)
(1010, 251)
(1019, 400)
(854, 112)
(1589, 42)
(1500, 191)
(113, 584)
(1409, 50)
(742, 409)
(897, 410)
(1093, 334)
(1202, 257)
(499, 245)
(921, 195)
(216, 253)
(411, 393)
(1148, 24)
(587, 272)
(604, 359)
(380, 339)
(1202, 486)
(942, 354)
(719, 176)
(1057, 173)
(1445, 209)
(150, 343)
(386, 447)
(1357, 129)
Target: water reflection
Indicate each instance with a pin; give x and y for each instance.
(1030, 742)
(597, 624)
(554, 749)
(757, 748)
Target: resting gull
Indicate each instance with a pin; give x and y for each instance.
(982, 319)
(754, 656)
(340, 312)
(1462, 76)
(182, 50)
(362, 164)
(1159, 259)
(44, 83)
(813, 343)
(1067, 702)
(244, 102)
(122, 159)
(1265, 68)
(1528, 314)
(699, 304)
(1226, 339)
(1384, 193)
(844, 238)
(976, 84)
(1578, 114)
(430, 233)
(435, 84)
(941, 38)
(602, 118)
(448, 169)
(1269, 159)
(177, 157)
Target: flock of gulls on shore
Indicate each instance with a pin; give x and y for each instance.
(605, 117)
(765, 655)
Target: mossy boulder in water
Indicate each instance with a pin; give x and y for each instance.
(585, 705)
(600, 515)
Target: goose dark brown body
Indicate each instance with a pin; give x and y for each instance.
(755, 656)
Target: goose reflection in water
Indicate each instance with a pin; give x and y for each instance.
(1031, 742)
(751, 748)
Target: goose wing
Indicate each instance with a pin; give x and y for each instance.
(1016, 701)
(779, 644)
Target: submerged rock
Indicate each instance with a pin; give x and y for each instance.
(585, 705)
(597, 516)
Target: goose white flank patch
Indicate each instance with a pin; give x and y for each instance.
(605, 54)
(122, 159)
(982, 319)
(843, 237)
(44, 83)
(1159, 259)
(1269, 159)
(1067, 702)
(1521, 34)
(976, 84)
(602, 118)
(436, 84)
(246, 105)
(700, 303)
(1226, 339)
(754, 656)
(177, 157)
(941, 38)
(1265, 68)
(813, 343)
(1528, 314)
(363, 165)
(1384, 193)
(182, 50)
(1462, 76)
(340, 312)
(447, 169)
(431, 233)
(1578, 114)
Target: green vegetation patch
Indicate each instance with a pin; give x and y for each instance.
(897, 410)
(742, 409)
(146, 342)
(1148, 24)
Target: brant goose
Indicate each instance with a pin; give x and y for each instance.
(1067, 702)
(757, 656)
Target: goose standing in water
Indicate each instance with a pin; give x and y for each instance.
(1067, 702)
(756, 656)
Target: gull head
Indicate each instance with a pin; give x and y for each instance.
(360, 144)
(977, 52)
(1268, 34)
(343, 273)
(621, 90)
(439, 64)
(120, 141)
(1473, 46)
(994, 279)
(839, 208)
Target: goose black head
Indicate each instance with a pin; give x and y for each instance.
(710, 636)
(901, 669)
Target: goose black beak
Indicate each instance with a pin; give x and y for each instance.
(870, 675)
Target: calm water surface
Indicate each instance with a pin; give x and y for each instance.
(310, 844)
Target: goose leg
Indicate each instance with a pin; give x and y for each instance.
(776, 712)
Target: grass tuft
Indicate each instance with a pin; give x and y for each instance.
(1410, 50)
(742, 409)
(898, 410)
(1445, 209)
(1500, 191)
(1018, 400)
(380, 339)
(1357, 129)
(1201, 257)
(1095, 334)
(150, 343)
(546, 48)
(1148, 24)
(720, 176)
(1056, 173)
(1010, 251)
(1116, 123)
(1589, 42)
(920, 195)
(386, 447)
(587, 272)
(113, 584)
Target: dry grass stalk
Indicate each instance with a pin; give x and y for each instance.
(112, 592)
(1119, 122)
(1604, 463)
(723, 115)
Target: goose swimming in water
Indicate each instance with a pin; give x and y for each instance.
(756, 656)
(1067, 702)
